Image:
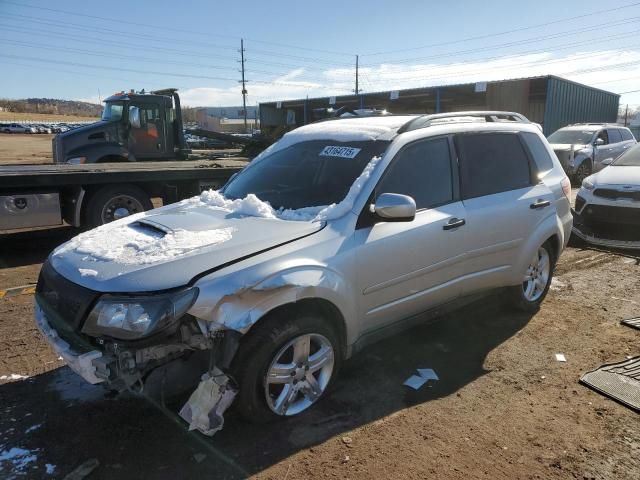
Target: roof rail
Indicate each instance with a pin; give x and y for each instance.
(594, 123)
(424, 121)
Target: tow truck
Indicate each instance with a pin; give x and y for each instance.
(115, 167)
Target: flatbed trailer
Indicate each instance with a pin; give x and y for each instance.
(92, 194)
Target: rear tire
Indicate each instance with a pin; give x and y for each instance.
(114, 202)
(529, 295)
(269, 348)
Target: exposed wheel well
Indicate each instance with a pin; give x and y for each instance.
(320, 306)
(554, 240)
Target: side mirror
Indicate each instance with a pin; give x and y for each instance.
(607, 161)
(394, 207)
(598, 142)
(134, 117)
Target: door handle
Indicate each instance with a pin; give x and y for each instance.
(540, 204)
(453, 223)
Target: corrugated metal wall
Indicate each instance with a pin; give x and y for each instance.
(569, 102)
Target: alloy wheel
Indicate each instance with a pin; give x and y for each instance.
(537, 276)
(299, 374)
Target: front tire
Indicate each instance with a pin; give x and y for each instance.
(529, 295)
(285, 365)
(582, 172)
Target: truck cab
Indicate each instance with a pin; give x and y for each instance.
(134, 127)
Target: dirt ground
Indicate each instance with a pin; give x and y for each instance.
(23, 148)
(504, 408)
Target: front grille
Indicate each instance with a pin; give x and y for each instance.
(579, 203)
(65, 303)
(614, 194)
(602, 214)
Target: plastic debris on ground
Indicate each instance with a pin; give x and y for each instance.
(423, 376)
(205, 408)
(560, 357)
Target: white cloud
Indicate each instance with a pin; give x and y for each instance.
(299, 83)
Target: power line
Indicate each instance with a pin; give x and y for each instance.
(598, 27)
(506, 32)
(164, 27)
(521, 64)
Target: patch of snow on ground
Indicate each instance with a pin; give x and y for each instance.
(50, 468)
(13, 376)
(254, 207)
(87, 272)
(33, 428)
(18, 457)
(131, 244)
(557, 284)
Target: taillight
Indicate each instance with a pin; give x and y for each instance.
(566, 187)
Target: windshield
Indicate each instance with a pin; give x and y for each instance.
(630, 158)
(306, 174)
(113, 111)
(578, 137)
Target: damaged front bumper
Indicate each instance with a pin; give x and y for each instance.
(81, 363)
(605, 226)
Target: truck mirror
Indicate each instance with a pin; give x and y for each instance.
(134, 117)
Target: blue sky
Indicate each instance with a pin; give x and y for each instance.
(87, 50)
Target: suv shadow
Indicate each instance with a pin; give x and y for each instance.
(132, 439)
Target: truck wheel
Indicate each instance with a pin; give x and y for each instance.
(285, 365)
(114, 202)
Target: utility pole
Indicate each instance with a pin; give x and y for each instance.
(357, 90)
(626, 113)
(244, 89)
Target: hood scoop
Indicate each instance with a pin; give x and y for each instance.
(147, 225)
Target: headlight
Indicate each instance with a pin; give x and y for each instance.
(77, 160)
(587, 185)
(133, 317)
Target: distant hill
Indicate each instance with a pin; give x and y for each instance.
(51, 106)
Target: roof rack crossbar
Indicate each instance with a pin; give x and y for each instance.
(424, 121)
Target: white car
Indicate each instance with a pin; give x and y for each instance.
(17, 128)
(339, 234)
(607, 207)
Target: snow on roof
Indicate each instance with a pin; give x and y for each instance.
(346, 129)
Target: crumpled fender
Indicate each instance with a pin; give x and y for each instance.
(239, 306)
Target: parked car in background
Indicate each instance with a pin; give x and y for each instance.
(339, 234)
(607, 207)
(17, 128)
(582, 147)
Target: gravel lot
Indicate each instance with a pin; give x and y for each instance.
(503, 408)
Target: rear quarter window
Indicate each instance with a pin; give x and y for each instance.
(492, 163)
(539, 151)
(626, 134)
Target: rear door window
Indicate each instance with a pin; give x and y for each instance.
(614, 135)
(421, 170)
(539, 151)
(492, 163)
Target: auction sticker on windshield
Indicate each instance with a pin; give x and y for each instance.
(343, 152)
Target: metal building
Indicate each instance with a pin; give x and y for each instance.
(550, 101)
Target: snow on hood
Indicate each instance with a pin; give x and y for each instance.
(568, 146)
(168, 247)
(617, 175)
(134, 244)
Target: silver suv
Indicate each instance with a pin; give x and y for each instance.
(337, 235)
(583, 147)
